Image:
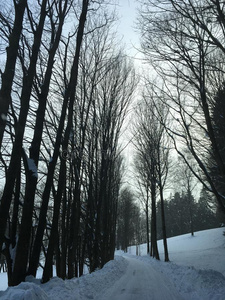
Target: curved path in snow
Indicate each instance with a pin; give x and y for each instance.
(141, 282)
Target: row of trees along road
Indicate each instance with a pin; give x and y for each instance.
(131, 224)
(151, 164)
(183, 42)
(65, 89)
(183, 214)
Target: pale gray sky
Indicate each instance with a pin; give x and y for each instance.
(127, 10)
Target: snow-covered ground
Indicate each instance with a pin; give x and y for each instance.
(205, 250)
(196, 272)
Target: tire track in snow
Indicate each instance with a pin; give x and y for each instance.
(141, 282)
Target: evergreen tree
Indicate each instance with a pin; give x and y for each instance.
(205, 216)
(128, 223)
(218, 117)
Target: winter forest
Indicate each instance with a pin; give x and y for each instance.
(72, 102)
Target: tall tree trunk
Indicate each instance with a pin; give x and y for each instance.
(162, 207)
(98, 247)
(62, 272)
(16, 209)
(155, 252)
(74, 225)
(20, 127)
(147, 222)
(163, 223)
(8, 74)
(47, 274)
(69, 97)
(31, 182)
(190, 209)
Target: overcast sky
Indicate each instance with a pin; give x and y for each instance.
(127, 13)
(127, 10)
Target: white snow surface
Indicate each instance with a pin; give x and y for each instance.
(205, 250)
(196, 271)
(32, 167)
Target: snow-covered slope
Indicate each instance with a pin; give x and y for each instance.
(194, 273)
(205, 250)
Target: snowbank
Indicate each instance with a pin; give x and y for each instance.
(191, 283)
(196, 271)
(86, 287)
(24, 291)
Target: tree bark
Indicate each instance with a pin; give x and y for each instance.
(20, 127)
(163, 223)
(155, 252)
(147, 222)
(69, 97)
(8, 75)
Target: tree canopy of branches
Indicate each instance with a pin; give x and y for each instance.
(151, 162)
(64, 94)
(183, 41)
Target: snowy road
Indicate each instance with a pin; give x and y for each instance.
(196, 272)
(141, 282)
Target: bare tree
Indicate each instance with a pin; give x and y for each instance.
(69, 99)
(70, 93)
(20, 126)
(13, 39)
(182, 40)
(145, 145)
(143, 191)
(152, 151)
(23, 244)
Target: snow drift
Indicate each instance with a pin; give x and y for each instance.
(195, 272)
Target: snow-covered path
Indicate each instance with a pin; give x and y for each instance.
(196, 272)
(141, 282)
